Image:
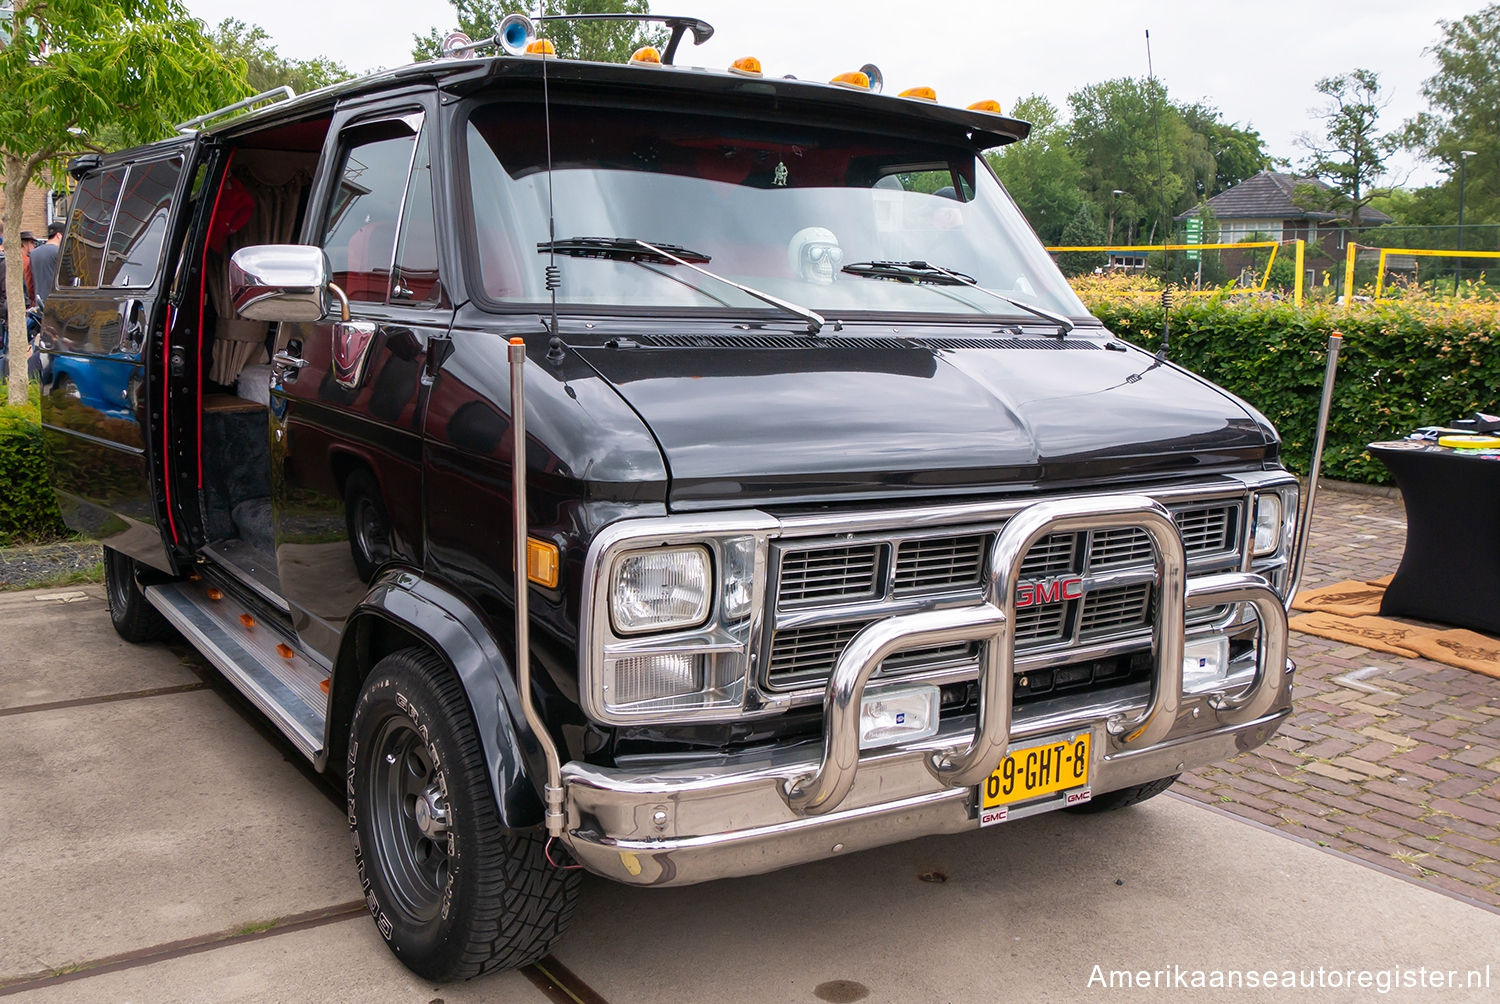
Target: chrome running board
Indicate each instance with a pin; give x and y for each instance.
(287, 687)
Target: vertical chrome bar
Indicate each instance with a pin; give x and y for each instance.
(1304, 520)
(554, 790)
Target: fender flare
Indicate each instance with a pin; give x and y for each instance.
(446, 622)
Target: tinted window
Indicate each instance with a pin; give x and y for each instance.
(361, 233)
(416, 252)
(88, 229)
(141, 223)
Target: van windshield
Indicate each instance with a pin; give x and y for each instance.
(780, 207)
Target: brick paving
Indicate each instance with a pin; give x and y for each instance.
(1391, 760)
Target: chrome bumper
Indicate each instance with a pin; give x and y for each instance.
(751, 814)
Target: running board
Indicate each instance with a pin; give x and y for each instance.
(289, 688)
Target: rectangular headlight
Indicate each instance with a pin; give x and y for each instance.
(660, 590)
(1267, 524)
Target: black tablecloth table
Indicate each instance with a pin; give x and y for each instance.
(1450, 571)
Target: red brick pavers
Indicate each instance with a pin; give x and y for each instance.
(1395, 761)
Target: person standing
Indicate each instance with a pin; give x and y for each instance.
(44, 263)
(28, 241)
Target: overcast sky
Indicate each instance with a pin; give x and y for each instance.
(1257, 62)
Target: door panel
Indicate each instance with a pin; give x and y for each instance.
(98, 331)
(347, 397)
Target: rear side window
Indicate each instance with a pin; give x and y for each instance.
(140, 227)
(88, 229)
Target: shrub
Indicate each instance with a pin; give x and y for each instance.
(1401, 366)
(28, 507)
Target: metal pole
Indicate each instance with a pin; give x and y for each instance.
(1463, 164)
(554, 789)
(1299, 548)
(1349, 274)
(1298, 281)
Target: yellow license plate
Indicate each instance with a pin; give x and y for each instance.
(1046, 768)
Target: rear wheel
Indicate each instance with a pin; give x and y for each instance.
(1122, 797)
(452, 892)
(133, 616)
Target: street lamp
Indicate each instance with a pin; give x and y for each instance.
(1463, 162)
(1113, 203)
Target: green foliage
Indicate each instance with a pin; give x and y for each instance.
(81, 73)
(1401, 366)
(28, 507)
(1082, 231)
(1040, 172)
(1351, 156)
(1237, 153)
(265, 67)
(1464, 95)
(608, 42)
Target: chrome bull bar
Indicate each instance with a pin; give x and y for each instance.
(992, 623)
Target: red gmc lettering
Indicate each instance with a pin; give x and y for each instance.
(1030, 594)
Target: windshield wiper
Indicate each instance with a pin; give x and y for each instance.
(622, 249)
(638, 251)
(937, 275)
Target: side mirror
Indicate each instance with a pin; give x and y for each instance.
(282, 282)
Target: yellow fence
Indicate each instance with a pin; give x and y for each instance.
(1299, 249)
(1385, 253)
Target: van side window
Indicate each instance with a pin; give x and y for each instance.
(140, 228)
(88, 229)
(361, 232)
(416, 252)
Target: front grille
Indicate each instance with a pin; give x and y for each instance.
(950, 564)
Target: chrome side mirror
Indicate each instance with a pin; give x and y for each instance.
(282, 282)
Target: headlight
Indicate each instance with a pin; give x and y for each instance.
(1267, 524)
(660, 590)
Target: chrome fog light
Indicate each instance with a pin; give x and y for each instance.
(898, 714)
(1205, 663)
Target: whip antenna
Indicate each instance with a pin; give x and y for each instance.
(554, 275)
(1161, 194)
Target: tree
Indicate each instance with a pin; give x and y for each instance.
(1465, 114)
(1114, 134)
(1040, 172)
(1237, 153)
(265, 67)
(71, 70)
(1082, 231)
(608, 42)
(1352, 155)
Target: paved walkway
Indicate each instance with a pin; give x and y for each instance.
(1394, 761)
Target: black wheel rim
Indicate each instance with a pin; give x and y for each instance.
(411, 841)
(370, 533)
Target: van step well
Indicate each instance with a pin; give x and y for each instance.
(255, 657)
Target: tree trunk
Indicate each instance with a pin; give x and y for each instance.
(17, 177)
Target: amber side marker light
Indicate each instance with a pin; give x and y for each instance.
(746, 66)
(646, 55)
(541, 47)
(214, 593)
(541, 562)
(324, 685)
(284, 650)
(919, 93)
(854, 78)
(247, 620)
(987, 105)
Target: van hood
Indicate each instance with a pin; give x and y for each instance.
(746, 417)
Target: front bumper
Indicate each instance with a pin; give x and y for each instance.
(751, 813)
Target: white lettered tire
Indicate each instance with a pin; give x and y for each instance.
(453, 893)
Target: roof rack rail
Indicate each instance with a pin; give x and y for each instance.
(282, 93)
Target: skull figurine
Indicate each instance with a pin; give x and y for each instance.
(815, 255)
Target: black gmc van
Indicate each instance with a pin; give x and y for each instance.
(841, 521)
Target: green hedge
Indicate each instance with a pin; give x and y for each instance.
(28, 507)
(1401, 366)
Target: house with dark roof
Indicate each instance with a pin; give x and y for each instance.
(1266, 204)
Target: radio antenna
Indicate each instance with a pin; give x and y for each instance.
(1161, 194)
(554, 275)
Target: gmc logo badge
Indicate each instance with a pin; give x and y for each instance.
(1054, 590)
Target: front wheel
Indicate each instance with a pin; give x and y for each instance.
(1122, 797)
(452, 892)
